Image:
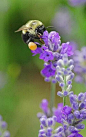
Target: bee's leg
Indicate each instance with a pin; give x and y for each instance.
(29, 40)
(41, 41)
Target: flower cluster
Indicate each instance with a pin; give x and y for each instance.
(73, 116)
(76, 2)
(47, 127)
(80, 65)
(64, 75)
(71, 119)
(58, 68)
(51, 52)
(3, 128)
(63, 22)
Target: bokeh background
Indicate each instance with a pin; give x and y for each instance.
(21, 85)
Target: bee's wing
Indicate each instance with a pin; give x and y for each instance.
(24, 27)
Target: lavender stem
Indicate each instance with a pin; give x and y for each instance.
(64, 101)
(52, 97)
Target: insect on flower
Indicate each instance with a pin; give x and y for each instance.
(32, 30)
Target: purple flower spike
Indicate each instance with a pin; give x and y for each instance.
(78, 79)
(0, 117)
(4, 125)
(67, 48)
(54, 39)
(80, 65)
(76, 2)
(6, 134)
(3, 128)
(44, 105)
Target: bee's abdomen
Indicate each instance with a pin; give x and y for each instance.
(27, 38)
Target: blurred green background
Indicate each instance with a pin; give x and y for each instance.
(21, 86)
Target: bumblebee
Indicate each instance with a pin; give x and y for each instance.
(32, 30)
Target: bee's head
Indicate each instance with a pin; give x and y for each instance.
(40, 29)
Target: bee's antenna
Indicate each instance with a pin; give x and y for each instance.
(50, 27)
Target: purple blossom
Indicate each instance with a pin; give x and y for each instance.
(46, 56)
(76, 2)
(79, 79)
(72, 117)
(74, 46)
(44, 105)
(64, 71)
(63, 22)
(45, 109)
(47, 125)
(67, 48)
(51, 52)
(37, 51)
(3, 128)
(45, 37)
(48, 71)
(58, 112)
(75, 135)
(80, 65)
(67, 110)
(53, 41)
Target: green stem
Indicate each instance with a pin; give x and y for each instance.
(52, 97)
(64, 99)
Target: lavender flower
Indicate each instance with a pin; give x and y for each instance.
(67, 49)
(58, 112)
(76, 2)
(51, 52)
(63, 22)
(75, 135)
(73, 116)
(64, 75)
(57, 68)
(71, 119)
(47, 127)
(45, 109)
(3, 128)
(80, 65)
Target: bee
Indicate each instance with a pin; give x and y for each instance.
(31, 31)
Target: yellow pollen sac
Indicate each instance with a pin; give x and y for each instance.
(32, 46)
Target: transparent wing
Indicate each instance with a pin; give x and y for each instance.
(24, 27)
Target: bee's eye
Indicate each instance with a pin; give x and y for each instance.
(40, 29)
